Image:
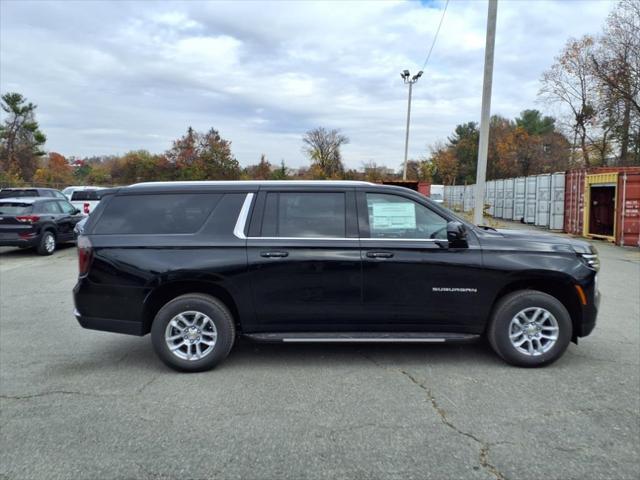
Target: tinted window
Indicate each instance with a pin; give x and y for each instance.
(58, 194)
(14, 208)
(305, 215)
(392, 216)
(85, 195)
(48, 207)
(161, 214)
(67, 207)
(27, 192)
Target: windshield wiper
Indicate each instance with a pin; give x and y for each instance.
(487, 227)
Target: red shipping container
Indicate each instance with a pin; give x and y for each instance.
(612, 204)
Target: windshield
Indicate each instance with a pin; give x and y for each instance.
(15, 208)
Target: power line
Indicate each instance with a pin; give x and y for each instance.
(435, 37)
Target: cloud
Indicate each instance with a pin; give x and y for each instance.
(113, 76)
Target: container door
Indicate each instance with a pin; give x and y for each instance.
(499, 198)
(557, 201)
(507, 212)
(519, 199)
(491, 196)
(531, 196)
(543, 200)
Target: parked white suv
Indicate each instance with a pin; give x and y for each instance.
(68, 192)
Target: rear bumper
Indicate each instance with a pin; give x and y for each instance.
(19, 242)
(110, 325)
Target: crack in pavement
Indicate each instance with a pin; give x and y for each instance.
(52, 392)
(484, 446)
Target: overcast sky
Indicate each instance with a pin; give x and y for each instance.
(115, 76)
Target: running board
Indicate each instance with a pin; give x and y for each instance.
(369, 337)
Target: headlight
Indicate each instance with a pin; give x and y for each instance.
(591, 260)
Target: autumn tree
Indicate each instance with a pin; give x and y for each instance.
(20, 138)
(445, 165)
(322, 146)
(54, 171)
(261, 171)
(373, 172)
(419, 170)
(140, 166)
(203, 156)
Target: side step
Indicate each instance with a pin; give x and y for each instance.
(357, 337)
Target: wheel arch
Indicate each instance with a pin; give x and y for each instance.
(166, 292)
(560, 287)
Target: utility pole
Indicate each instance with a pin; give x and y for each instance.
(481, 173)
(408, 80)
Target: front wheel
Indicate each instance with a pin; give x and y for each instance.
(530, 329)
(193, 333)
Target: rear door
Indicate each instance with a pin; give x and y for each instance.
(412, 279)
(67, 220)
(304, 260)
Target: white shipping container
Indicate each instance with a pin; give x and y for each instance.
(543, 200)
(507, 207)
(530, 202)
(519, 198)
(499, 199)
(557, 201)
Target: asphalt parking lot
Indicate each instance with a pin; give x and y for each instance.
(78, 404)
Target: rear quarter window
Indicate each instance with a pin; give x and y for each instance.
(155, 214)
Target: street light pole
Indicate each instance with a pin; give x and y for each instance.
(408, 80)
(481, 173)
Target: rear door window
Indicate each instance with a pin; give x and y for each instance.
(155, 213)
(66, 207)
(305, 215)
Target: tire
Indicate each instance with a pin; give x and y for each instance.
(47, 244)
(190, 334)
(537, 347)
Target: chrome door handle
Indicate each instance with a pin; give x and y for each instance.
(379, 254)
(274, 254)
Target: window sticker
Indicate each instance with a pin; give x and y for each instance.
(394, 216)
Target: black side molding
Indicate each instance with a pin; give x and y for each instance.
(358, 337)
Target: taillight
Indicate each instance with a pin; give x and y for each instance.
(85, 255)
(28, 218)
(86, 208)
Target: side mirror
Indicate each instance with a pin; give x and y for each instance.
(77, 211)
(456, 234)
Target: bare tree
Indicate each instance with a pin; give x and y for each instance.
(323, 148)
(570, 81)
(616, 65)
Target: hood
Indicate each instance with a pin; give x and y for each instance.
(531, 240)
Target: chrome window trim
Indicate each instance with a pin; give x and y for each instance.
(241, 223)
(352, 239)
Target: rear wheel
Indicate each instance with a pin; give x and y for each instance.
(530, 329)
(193, 332)
(47, 243)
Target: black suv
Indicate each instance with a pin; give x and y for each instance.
(199, 264)
(38, 222)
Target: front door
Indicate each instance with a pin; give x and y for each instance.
(412, 280)
(304, 261)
